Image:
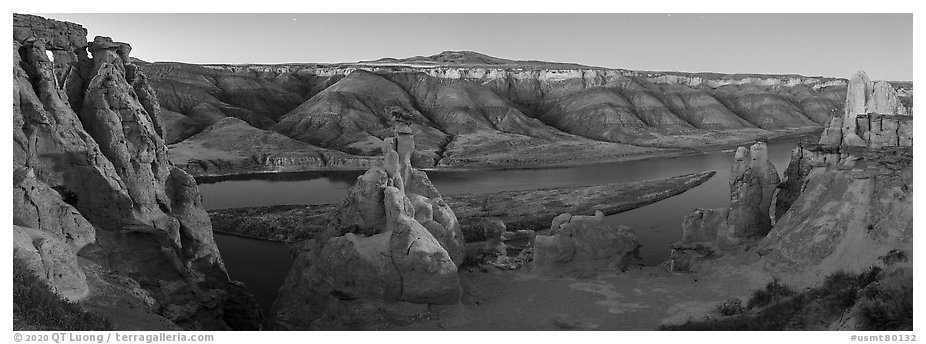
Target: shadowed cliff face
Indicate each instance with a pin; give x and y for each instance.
(205, 96)
(465, 97)
(88, 140)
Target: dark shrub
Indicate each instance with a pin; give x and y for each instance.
(779, 308)
(893, 256)
(730, 307)
(774, 291)
(888, 304)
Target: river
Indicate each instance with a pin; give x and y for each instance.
(263, 265)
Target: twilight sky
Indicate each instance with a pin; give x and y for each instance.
(810, 44)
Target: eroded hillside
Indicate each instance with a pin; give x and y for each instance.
(474, 110)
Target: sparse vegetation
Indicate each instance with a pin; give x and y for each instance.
(881, 300)
(37, 308)
(730, 307)
(893, 256)
(888, 303)
(773, 292)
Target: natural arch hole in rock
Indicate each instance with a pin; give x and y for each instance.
(51, 58)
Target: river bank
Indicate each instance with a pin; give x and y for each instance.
(209, 168)
(524, 209)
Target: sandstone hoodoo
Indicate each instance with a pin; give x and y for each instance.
(747, 219)
(844, 201)
(93, 188)
(392, 243)
(851, 194)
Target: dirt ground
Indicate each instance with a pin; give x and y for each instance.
(641, 298)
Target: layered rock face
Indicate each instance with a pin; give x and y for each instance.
(470, 109)
(849, 213)
(848, 198)
(747, 219)
(392, 242)
(91, 171)
(874, 117)
(584, 242)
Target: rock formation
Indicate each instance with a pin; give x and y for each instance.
(54, 261)
(845, 198)
(91, 176)
(752, 186)
(577, 242)
(874, 117)
(392, 242)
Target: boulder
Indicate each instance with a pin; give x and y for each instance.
(428, 274)
(586, 242)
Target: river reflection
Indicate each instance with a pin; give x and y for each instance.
(657, 225)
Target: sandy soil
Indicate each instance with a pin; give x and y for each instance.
(639, 299)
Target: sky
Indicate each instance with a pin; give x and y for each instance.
(834, 45)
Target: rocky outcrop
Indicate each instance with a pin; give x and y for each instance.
(845, 200)
(848, 214)
(578, 242)
(92, 171)
(37, 206)
(52, 260)
(850, 194)
(752, 186)
(874, 117)
(393, 241)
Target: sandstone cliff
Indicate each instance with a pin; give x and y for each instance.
(845, 200)
(471, 109)
(852, 192)
(93, 183)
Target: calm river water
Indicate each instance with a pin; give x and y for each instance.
(263, 265)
